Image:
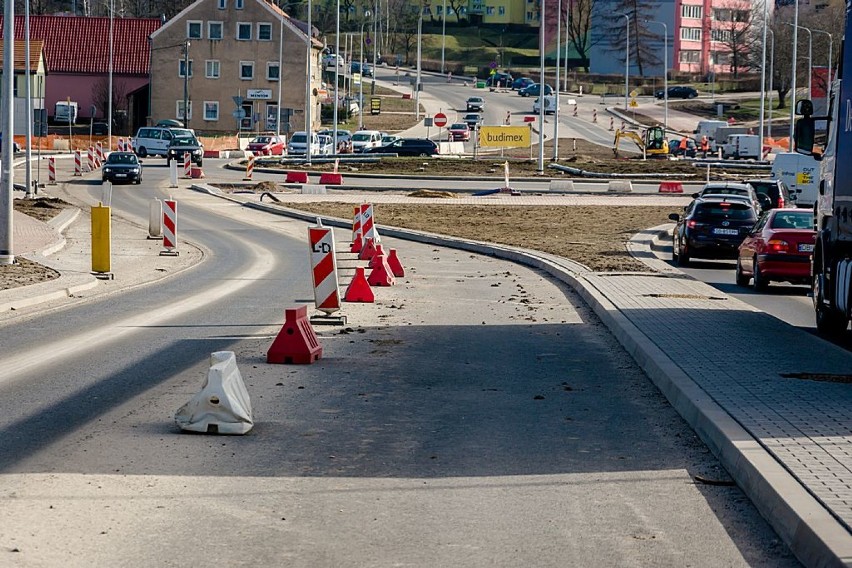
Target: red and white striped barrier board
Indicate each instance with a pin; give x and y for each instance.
(100, 153)
(368, 228)
(120, 145)
(51, 170)
(324, 269)
(78, 163)
(249, 167)
(170, 224)
(595, 115)
(91, 159)
(187, 164)
(356, 223)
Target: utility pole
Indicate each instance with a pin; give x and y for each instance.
(186, 84)
(7, 127)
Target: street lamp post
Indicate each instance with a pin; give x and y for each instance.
(361, 71)
(556, 84)
(443, 34)
(375, 44)
(7, 127)
(793, 78)
(186, 84)
(763, 76)
(542, 88)
(417, 83)
(337, 61)
(830, 54)
(665, 71)
(771, 80)
(626, 61)
(309, 136)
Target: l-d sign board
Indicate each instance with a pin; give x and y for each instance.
(505, 136)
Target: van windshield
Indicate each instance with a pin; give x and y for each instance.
(361, 137)
(299, 138)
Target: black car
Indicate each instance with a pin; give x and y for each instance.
(473, 120)
(122, 166)
(475, 104)
(407, 147)
(678, 93)
(100, 129)
(534, 90)
(521, 82)
(183, 143)
(691, 148)
(776, 190)
(499, 80)
(711, 227)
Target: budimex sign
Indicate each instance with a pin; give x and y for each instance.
(504, 136)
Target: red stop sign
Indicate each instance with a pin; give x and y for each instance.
(440, 119)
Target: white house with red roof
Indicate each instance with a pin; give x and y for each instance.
(77, 57)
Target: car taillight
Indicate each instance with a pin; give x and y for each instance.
(691, 223)
(780, 202)
(776, 245)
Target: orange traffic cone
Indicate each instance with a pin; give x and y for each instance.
(359, 290)
(381, 275)
(395, 265)
(368, 250)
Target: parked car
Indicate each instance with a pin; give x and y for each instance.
(122, 166)
(408, 147)
(330, 60)
(499, 80)
(459, 132)
(388, 138)
(677, 93)
(691, 148)
(473, 120)
(267, 145)
(344, 139)
(367, 70)
(155, 140)
(711, 227)
(550, 105)
(184, 143)
(100, 129)
(534, 90)
(728, 188)
(298, 143)
(326, 144)
(521, 82)
(363, 140)
(354, 67)
(776, 190)
(778, 248)
(475, 104)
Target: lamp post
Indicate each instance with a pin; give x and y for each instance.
(336, 71)
(281, 81)
(7, 126)
(771, 79)
(810, 59)
(28, 172)
(375, 47)
(186, 84)
(361, 70)
(417, 84)
(665, 71)
(793, 78)
(542, 88)
(830, 47)
(309, 103)
(626, 61)
(443, 34)
(556, 84)
(763, 77)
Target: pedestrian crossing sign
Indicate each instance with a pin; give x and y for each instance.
(633, 103)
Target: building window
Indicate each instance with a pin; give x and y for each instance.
(214, 30)
(690, 56)
(501, 10)
(223, 4)
(489, 10)
(193, 29)
(720, 58)
(246, 70)
(720, 35)
(211, 70)
(690, 34)
(264, 32)
(211, 110)
(243, 31)
(273, 71)
(692, 12)
(238, 4)
(182, 68)
(179, 110)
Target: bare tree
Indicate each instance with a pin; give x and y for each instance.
(100, 95)
(456, 6)
(732, 29)
(643, 40)
(577, 20)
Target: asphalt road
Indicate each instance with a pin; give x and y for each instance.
(476, 415)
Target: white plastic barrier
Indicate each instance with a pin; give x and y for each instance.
(620, 185)
(313, 189)
(561, 185)
(450, 148)
(155, 219)
(223, 405)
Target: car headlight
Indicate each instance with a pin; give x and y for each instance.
(107, 170)
(197, 152)
(134, 170)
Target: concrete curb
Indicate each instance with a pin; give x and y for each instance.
(808, 529)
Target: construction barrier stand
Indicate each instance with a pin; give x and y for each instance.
(671, 187)
(395, 265)
(170, 224)
(296, 343)
(101, 239)
(359, 289)
(324, 269)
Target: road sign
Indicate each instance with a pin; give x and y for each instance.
(238, 101)
(633, 103)
(440, 119)
(634, 93)
(239, 113)
(493, 65)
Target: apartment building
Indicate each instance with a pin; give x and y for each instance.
(228, 56)
(703, 33)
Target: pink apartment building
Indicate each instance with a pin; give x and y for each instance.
(702, 32)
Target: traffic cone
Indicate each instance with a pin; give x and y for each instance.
(395, 265)
(296, 343)
(374, 262)
(381, 275)
(368, 250)
(358, 244)
(359, 289)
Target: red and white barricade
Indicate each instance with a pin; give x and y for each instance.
(100, 153)
(368, 228)
(91, 158)
(120, 145)
(324, 269)
(51, 170)
(187, 164)
(249, 167)
(356, 223)
(595, 115)
(78, 163)
(169, 227)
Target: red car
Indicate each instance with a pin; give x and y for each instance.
(459, 132)
(267, 145)
(778, 248)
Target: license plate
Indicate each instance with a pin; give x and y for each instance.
(726, 232)
(806, 247)
(121, 175)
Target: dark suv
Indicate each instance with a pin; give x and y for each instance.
(185, 143)
(776, 190)
(678, 93)
(407, 147)
(711, 227)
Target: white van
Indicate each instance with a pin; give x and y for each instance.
(708, 128)
(363, 140)
(154, 140)
(800, 173)
(741, 147)
(298, 143)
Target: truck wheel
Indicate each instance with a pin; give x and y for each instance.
(828, 321)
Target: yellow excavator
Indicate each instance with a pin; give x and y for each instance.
(653, 144)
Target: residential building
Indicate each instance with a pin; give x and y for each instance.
(704, 31)
(77, 62)
(225, 58)
(36, 79)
